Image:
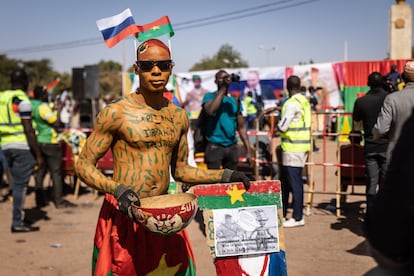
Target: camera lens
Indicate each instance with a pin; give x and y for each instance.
(235, 78)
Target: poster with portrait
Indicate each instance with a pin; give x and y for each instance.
(192, 88)
(322, 78)
(246, 231)
(265, 84)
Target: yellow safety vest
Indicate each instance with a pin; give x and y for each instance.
(11, 128)
(250, 108)
(297, 137)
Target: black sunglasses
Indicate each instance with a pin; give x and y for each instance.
(147, 65)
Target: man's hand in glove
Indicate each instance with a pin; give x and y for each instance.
(235, 176)
(126, 197)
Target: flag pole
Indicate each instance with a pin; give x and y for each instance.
(123, 68)
(169, 46)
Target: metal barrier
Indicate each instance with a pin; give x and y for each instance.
(337, 132)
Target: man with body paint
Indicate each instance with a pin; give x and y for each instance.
(147, 135)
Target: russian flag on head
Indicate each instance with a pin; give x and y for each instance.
(117, 27)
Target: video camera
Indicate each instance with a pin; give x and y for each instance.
(234, 77)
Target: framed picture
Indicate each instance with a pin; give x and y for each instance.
(246, 231)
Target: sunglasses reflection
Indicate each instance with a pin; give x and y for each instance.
(147, 65)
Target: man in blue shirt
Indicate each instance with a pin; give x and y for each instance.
(223, 120)
(393, 78)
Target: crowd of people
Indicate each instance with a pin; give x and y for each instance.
(30, 127)
(392, 246)
(379, 117)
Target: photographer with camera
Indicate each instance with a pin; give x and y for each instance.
(223, 119)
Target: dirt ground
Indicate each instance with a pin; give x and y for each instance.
(326, 245)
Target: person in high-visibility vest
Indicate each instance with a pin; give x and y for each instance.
(251, 110)
(295, 144)
(18, 141)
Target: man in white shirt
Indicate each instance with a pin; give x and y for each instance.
(295, 134)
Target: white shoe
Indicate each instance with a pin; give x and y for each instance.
(293, 223)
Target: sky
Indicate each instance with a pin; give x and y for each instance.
(282, 33)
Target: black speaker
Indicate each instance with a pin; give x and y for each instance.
(78, 90)
(85, 113)
(91, 81)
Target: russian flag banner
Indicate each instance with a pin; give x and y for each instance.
(117, 27)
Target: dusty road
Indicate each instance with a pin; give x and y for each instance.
(326, 245)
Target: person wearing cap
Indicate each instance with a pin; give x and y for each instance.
(396, 109)
(148, 138)
(193, 99)
(364, 116)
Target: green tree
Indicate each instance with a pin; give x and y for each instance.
(110, 78)
(6, 66)
(42, 73)
(226, 57)
(109, 66)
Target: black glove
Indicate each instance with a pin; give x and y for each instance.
(125, 199)
(235, 176)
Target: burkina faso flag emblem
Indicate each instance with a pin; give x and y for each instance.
(244, 227)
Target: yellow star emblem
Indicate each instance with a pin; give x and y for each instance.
(163, 269)
(236, 194)
(154, 28)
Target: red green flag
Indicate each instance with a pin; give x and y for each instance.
(50, 88)
(223, 196)
(159, 27)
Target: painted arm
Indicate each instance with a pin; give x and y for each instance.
(181, 170)
(96, 146)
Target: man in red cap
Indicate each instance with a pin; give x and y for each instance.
(147, 135)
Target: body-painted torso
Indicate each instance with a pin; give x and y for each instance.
(144, 143)
(143, 149)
